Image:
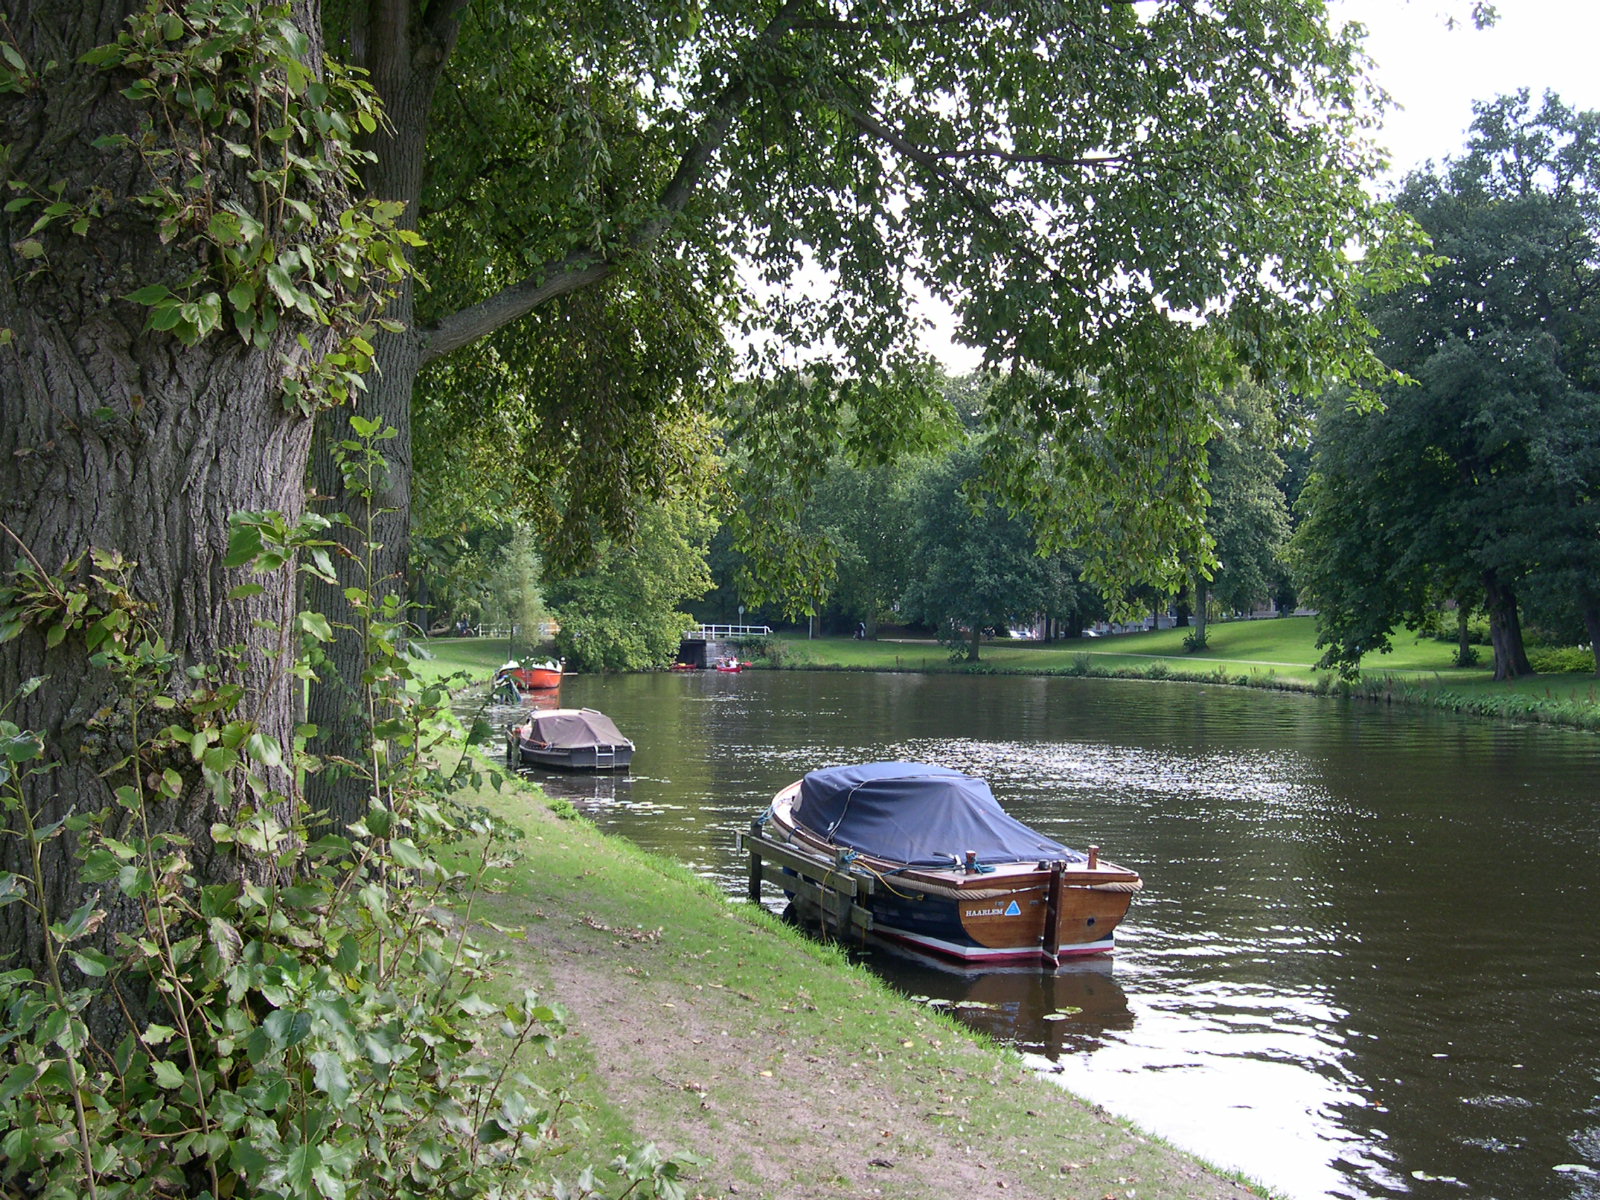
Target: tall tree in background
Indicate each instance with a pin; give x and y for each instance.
(1481, 480)
(624, 612)
(1247, 516)
(978, 567)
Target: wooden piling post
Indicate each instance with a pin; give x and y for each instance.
(1052, 913)
(755, 862)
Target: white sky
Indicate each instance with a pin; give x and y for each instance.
(1434, 73)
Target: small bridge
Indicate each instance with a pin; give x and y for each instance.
(724, 633)
(705, 644)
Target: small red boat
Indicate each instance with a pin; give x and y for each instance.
(730, 664)
(535, 677)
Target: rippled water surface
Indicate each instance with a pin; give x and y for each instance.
(1366, 962)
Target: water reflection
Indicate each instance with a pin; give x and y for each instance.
(1364, 963)
(1045, 1013)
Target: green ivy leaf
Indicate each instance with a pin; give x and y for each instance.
(155, 293)
(316, 625)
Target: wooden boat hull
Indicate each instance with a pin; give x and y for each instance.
(1006, 928)
(1046, 912)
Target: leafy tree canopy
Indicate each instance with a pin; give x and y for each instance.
(978, 566)
(1476, 480)
(624, 614)
(1126, 206)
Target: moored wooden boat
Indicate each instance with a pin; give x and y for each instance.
(568, 739)
(925, 855)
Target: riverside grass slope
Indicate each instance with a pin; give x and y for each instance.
(708, 1026)
(1277, 653)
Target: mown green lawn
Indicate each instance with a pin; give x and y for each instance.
(1282, 648)
(1286, 646)
(478, 657)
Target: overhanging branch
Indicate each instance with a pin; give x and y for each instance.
(586, 268)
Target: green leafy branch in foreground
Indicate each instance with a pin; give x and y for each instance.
(319, 1028)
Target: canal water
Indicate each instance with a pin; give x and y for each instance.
(1366, 962)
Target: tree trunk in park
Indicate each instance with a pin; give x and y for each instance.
(1201, 599)
(1591, 622)
(404, 56)
(1505, 629)
(120, 439)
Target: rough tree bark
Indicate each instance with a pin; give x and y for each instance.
(121, 439)
(1505, 629)
(404, 53)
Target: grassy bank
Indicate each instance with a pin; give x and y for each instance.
(711, 1027)
(1279, 654)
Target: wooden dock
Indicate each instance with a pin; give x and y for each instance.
(829, 889)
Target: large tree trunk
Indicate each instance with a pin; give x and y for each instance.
(1201, 603)
(124, 440)
(1591, 622)
(404, 54)
(1505, 629)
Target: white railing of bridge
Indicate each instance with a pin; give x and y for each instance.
(719, 633)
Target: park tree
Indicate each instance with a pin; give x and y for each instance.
(624, 613)
(186, 278)
(1247, 516)
(978, 568)
(1154, 197)
(1475, 481)
(858, 518)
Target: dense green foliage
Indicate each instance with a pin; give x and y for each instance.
(978, 568)
(1247, 518)
(1475, 483)
(1078, 181)
(625, 614)
(317, 1029)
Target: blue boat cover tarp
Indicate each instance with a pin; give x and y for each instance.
(918, 814)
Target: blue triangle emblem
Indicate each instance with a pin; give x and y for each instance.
(1012, 910)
